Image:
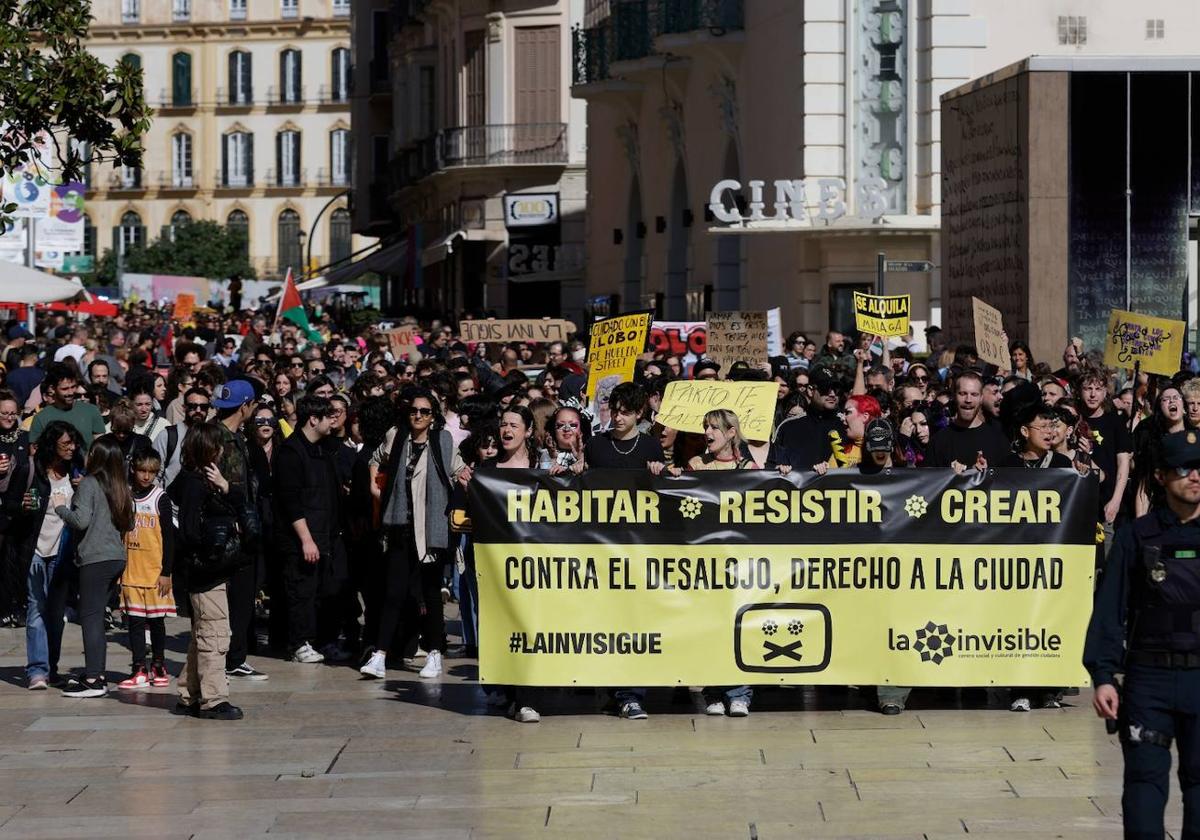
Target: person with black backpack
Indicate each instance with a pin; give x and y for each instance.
(208, 552)
(197, 404)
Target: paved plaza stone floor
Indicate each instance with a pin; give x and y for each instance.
(322, 753)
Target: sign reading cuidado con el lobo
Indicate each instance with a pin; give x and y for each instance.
(885, 315)
(912, 577)
(1155, 342)
(686, 401)
(614, 348)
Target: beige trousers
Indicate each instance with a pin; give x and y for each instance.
(203, 678)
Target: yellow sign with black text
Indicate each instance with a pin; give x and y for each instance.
(1154, 343)
(883, 315)
(729, 579)
(686, 401)
(614, 348)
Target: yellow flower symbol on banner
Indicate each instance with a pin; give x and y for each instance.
(915, 506)
(690, 508)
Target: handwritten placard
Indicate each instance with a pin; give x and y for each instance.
(615, 346)
(1155, 342)
(736, 336)
(526, 329)
(884, 315)
(185, 306)
(402, 341)
(686, 401)
(989, 334)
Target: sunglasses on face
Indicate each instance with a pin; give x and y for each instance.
(564, 426)
(199, 406)
(420, 412)
(264, 421)
(1184, 472)
(920, 379)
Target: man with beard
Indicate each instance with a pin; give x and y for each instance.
(807, 439)
(169, 443)
(969, 435)
(1112, 447)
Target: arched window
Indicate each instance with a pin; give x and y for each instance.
(237, 159)
(238, 224)
(290, 89)
(181, 79)
(181, 159)
(289, 242)
(340, 80)
(339, 235)
(241, 78)
(132, 231)
(181, 217)
(339, 157)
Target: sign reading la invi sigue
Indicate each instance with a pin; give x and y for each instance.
(617, 577)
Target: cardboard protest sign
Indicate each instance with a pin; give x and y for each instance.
(736, 336)
(614, 348)
(686, 401)
(185, 305)
(402, 341)
(884, 315)
(1155, 342)
(525, 329)
(774, 332)
(989, 334)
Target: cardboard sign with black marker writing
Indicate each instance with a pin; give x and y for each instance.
(525, 329)
(989, 334)
(736, 336)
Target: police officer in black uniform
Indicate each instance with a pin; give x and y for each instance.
(1146, 624)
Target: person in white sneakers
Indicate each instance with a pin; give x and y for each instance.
(414, 501)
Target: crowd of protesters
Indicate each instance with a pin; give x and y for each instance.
(252, 479)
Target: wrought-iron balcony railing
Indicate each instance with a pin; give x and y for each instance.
(328, 94)
(627, 34)
(717, 16)
(502, 145)
(286, 177)
(176, 181)
(226, 180)
(286, 95)
(169, 98)
(333, 178)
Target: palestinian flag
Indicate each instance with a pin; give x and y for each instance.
(291, 307)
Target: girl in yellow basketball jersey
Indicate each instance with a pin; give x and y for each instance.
(146, 584)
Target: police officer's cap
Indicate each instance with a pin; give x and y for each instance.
(1181, 449)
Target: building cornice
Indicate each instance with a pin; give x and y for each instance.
(129, 33)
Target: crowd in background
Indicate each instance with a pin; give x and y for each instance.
(308, 499)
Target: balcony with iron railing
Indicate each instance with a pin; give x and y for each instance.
(286, 178)
(519, 144)
(333, 177)
(330, 95)
(627, 34)
(176, 181)
(226, 99)
(285, 97)
(233, 181)
(170, 99)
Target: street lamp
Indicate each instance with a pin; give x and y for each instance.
(313, 228)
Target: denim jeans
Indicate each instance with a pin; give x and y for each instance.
(48, 584)
(466, 589)
(737, 692)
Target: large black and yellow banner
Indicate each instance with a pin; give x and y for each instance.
(913, 577)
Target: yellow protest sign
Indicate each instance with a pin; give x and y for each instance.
(884, 315)
(615, 346)
(1155, 342)
(687, 401)
(185, 305)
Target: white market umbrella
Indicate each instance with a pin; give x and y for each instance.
(20, 284)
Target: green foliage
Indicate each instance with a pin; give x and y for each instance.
(360, 319)
(52, 87)
(198, 249)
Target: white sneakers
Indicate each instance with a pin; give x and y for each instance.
(306, 655)
(715, 709)
(738, 708)
(376, 666)
(433, 666)
(523, 714)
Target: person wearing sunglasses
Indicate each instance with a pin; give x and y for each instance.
(169, 442)
(807, 440)
(1142, 626)
(567, 441)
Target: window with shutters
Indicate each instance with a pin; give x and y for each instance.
(89, 236)
(131, 11)
(130, 177)
(537, 105)
(238, 224)
(290, 90)
(237, 159)
(427, 104)
(181, 10)
(340, 77)
(339, 235)
(287, 158)
(289, 9)
(475, 73)
(341, 8)
(178, 219)
(181, 79)
(339, 157)
(289, 241)
(181, 160)
(133, 232)
(237, 9)
(241, 79)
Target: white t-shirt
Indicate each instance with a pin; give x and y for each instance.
(75, 351)
(50, 536)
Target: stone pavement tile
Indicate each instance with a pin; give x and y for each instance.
(303, 805)
(643, 735)
(1092, 786)
(471, 781)
(1059, 753)
(527, 737)
(36, 791)
(820, 756)
(216, 788)
(1095, 831)
(775, 830)
(779, 800)
(626, 822)
(521, 799)
(728, 758)
(1111, 805)
(230, 741)
(92, 826)
(703, 780)
(394, 761)
(128, 803)
(962, 786)
(1028, 773)
(964, 735)
(349, 823)
(58, 723)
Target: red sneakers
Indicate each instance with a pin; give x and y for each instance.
(158, 675)
(137, 681)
